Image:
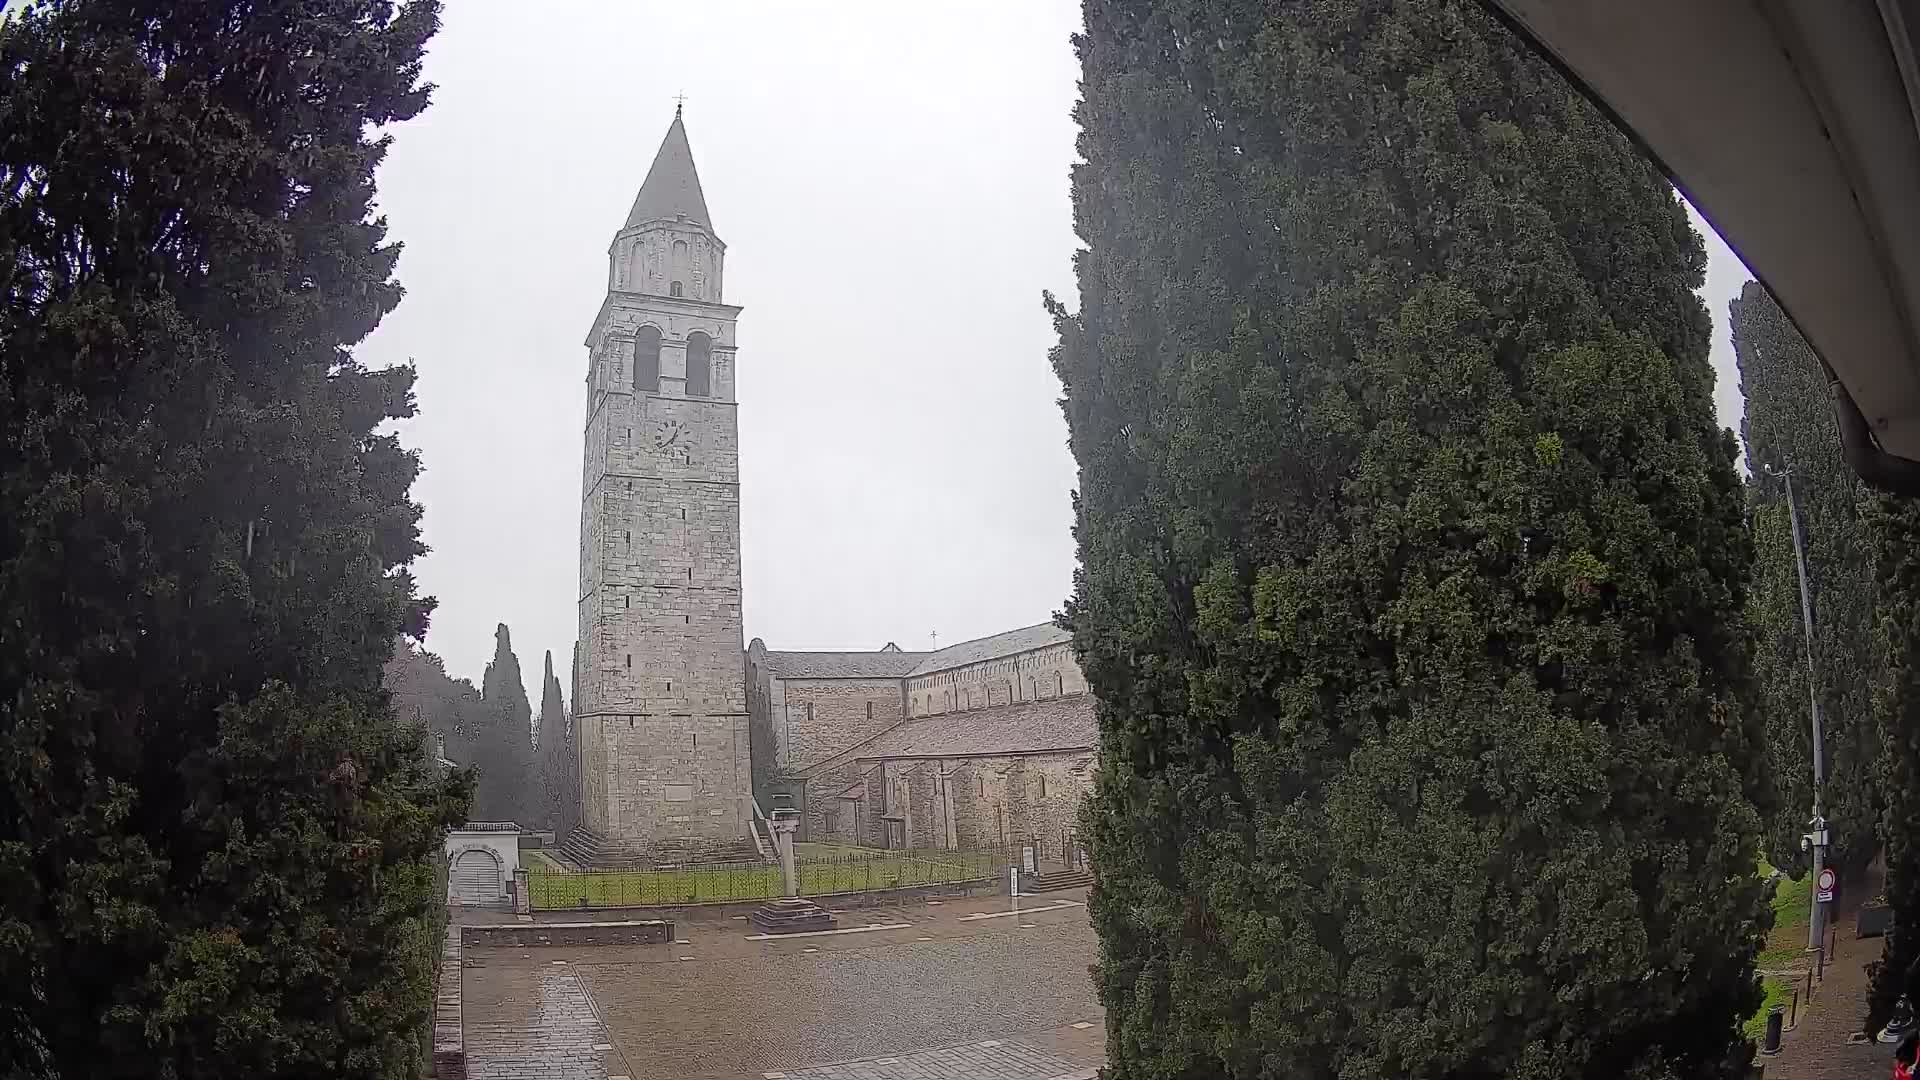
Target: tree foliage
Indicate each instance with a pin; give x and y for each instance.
(1789, 425)
(1412, 562)
(424, 694)
(216, 845)
(502, 743)
(558, 764)
(1894, 525)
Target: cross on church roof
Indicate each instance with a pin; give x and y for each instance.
(679, 99)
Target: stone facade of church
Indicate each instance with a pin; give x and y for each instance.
(984, 742)
(980, 744)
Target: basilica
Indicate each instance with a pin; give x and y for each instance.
(685, 733)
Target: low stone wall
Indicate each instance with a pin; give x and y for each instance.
(525, 935)
(893, 897)
(449, 1039)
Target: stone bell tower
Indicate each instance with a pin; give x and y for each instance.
(661, 706)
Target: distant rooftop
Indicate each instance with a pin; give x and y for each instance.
(1008, 643)
(1023, 727)
(887, 663)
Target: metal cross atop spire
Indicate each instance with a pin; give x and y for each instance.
(679, 100)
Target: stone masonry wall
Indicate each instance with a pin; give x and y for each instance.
(529, 935)
(919, 776)
(997, 801)
(1058, 784)
(666, 742)
(815, 719)
(1029, 676)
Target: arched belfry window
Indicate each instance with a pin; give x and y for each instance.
(680, 269)
(646, 361)
(699, 365)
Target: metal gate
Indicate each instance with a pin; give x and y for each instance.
(476, 878)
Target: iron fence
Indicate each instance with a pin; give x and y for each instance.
(854, 871)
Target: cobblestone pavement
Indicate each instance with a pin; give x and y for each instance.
(717, 1006)
(548, 1028)
(992, 1059)
(1819, 1046)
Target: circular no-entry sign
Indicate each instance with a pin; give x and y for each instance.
(1826, 879)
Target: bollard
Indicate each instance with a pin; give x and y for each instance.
(1770, 1042)
(1793, 1011)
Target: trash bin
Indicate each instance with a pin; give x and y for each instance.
(1776, 1019)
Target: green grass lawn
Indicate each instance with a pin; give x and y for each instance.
(1776, 991)
(1792, 908)
(752, 881)
(1792, 900)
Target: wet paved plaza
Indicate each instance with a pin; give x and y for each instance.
(956, 991)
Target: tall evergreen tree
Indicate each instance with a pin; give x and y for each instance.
(553, 747)
(503, 744)
(1412, 562)
(1895, 527)
(1789, 425)
(216, 844)
(424, 693)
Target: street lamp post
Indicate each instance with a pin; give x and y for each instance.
(1815, 841)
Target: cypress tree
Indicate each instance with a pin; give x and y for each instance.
(1789, 425)
(553, 747)
(503, 745)
(1895, 528)
(421, 690)
(216, 843)
(1412, 562)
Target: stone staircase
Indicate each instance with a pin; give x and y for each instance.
(1055, 880)
(584, 849)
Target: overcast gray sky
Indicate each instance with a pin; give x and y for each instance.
(891, 183)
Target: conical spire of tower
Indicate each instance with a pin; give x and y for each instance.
(672, 186)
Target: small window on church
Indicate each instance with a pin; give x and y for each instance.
(1043, 785)
(629, 661)
(869, 710)
(699, 365)
(676, 289)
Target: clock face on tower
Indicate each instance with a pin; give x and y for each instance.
(666, 433)
(670, 441)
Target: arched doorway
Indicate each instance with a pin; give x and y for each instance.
(475, 878)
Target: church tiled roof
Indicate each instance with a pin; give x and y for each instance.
(672, 186)
(1024, 727)
(979, 650)
(842, 665)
